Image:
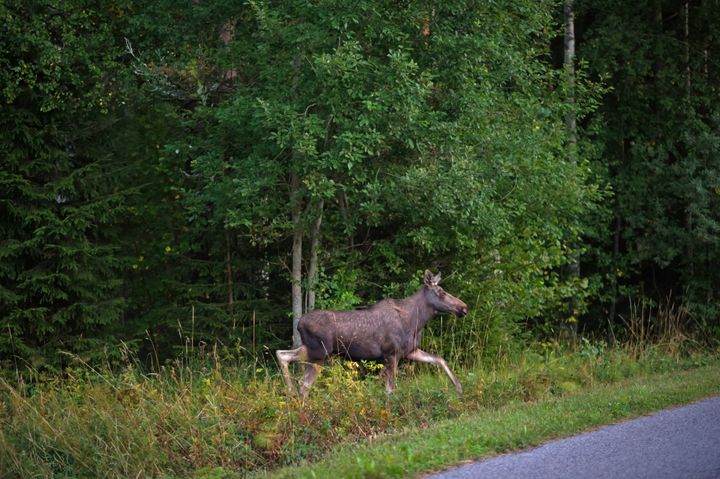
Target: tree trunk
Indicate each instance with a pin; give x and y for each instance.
(686, 31)
(688, 214)
(229, 278)
(571, 128)
(613, 304)
(312, 267)
(296, 273)
(569, 64)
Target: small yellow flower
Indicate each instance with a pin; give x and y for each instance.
(168, 249)
(134, 266)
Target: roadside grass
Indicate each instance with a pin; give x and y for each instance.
(200, 417)
(516, 425)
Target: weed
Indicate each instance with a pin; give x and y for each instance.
(201, 416)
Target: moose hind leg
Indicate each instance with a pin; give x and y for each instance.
(308, 377)
(391, 365)
(423, 357)
(285, 357)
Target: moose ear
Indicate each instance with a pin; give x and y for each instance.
(428, 278)
(436, 278)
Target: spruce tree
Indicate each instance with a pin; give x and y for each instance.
(62, 195)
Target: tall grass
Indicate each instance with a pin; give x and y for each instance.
(474, 340)
(211, 415)
(201, 417)
(664, 325)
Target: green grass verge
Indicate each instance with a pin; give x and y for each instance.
(516, 425)
(205, 419)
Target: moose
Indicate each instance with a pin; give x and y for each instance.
(389, 331)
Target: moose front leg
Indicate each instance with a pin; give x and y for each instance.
(423, 357)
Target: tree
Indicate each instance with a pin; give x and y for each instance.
(401, 136)
(571, 127)
(62, 190)
(257, 152)
(658, 129)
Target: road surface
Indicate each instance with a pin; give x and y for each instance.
(676, 443)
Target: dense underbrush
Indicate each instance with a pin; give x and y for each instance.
(202, 418)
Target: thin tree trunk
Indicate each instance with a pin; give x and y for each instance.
(616, 240)
(616, 256)
(296, 273)
(686, 21)
(229, 274)
(688, 215)
(313, 266)
(705, 10)
(571, 129)
(657, 67)
(569, 64)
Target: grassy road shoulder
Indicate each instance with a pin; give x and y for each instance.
(516, 425)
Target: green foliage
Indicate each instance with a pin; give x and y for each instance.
(158, 159)
(658, 131)
(62, 189)
(431, 136)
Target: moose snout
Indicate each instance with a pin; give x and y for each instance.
(462, 310)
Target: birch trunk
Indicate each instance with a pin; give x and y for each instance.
(686, 32)
(569, 64)
(313, 266)
(296, 273)
(571, 128)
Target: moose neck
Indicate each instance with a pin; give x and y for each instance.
(420, 310)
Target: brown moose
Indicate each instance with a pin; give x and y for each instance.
(389, 331)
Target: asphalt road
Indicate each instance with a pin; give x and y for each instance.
(674, 443)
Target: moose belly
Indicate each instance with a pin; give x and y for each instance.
(355, 349)
(373, 347)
